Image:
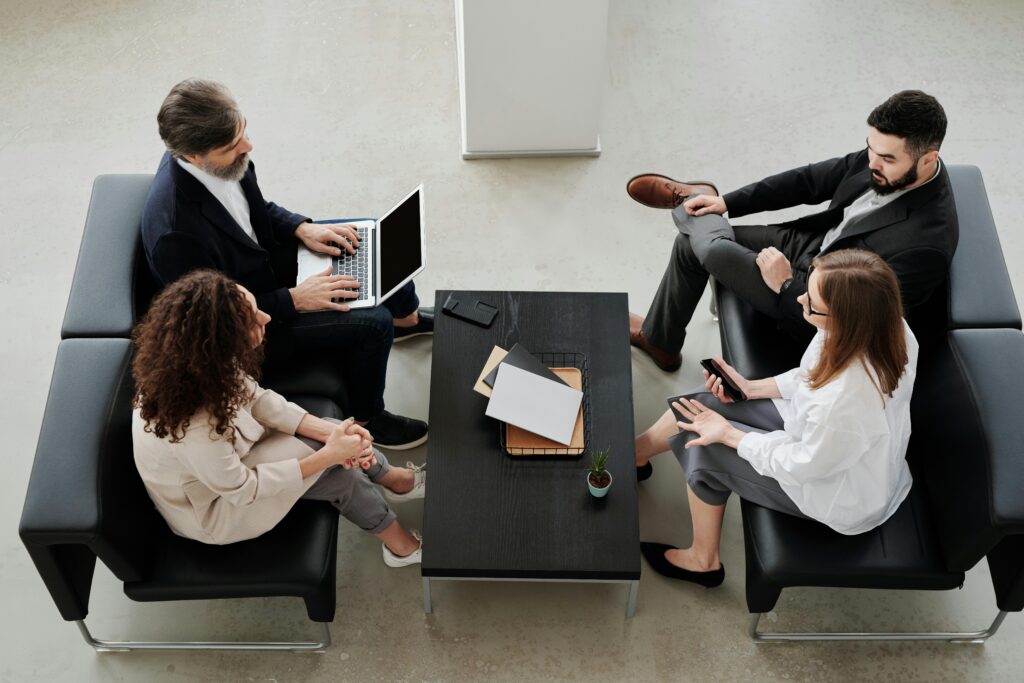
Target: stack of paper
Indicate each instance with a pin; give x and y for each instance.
(527, 394)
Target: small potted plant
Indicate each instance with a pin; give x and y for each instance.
(598, 478)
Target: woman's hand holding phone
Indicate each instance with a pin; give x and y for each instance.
(714, 382)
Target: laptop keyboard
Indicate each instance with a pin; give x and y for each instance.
(356, 265)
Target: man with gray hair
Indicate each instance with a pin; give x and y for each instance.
(205, 210)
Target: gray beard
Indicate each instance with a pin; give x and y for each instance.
(232, 173)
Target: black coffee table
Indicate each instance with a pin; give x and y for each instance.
(488, 516)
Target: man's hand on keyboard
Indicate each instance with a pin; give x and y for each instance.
(326, 238)
(318, 291)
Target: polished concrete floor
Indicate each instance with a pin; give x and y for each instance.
(350, 104)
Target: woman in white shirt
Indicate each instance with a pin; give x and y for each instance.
(223, 459)
(826, 440)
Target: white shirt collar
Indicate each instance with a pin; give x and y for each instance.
(228, 192)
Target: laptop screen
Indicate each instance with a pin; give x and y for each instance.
(400, 254)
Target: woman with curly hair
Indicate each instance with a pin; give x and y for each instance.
(826, 440)
(223, 459)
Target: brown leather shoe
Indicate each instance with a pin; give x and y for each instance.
(661, 192)
(669, 362)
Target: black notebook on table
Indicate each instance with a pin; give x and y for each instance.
(524, 360)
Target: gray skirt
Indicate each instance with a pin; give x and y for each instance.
(715, 471)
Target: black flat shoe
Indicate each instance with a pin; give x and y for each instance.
(424, 326)
(654, 553)
(644, 473)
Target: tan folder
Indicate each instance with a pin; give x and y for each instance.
(521, 442)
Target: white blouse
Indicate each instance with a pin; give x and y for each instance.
(841, 455)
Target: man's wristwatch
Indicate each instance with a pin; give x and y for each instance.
(785, 286)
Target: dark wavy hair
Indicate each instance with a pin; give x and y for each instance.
(915, 116)
(193, 351)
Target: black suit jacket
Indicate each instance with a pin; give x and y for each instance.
(184, 227)
(916, 234)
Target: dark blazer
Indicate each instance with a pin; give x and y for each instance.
(916, 234)
(184, 227)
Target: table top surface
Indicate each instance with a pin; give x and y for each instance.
(488, 515)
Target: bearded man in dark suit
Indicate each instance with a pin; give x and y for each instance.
(893, 198)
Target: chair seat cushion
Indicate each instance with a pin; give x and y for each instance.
(903, 553)
(316, 405)
(291, 559)
(306, 376)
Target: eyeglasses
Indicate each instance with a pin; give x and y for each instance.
(810, 306)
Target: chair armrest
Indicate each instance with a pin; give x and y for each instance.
(81, 502)
(969, 439)
(101, 303)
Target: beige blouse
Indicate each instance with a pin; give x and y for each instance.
(212, 491)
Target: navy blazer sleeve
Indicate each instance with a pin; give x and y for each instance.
(278, 303)
(176, 254)
(810, 184)
(283, 222)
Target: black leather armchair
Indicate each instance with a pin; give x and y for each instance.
(965, 504)
(85, 500)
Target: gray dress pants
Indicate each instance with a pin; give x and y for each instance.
(353, 492)
(709, 245)
(716, 470)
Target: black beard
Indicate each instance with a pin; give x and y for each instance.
(234, 172)
(908, 179)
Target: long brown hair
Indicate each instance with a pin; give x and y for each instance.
(192, 352)
(865, 318)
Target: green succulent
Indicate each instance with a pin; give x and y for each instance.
(598, 460)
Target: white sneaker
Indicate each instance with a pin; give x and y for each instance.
(419, 485)
(415, 557)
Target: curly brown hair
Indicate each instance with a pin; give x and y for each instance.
(193, 351)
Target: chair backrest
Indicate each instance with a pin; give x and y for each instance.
(112, 286)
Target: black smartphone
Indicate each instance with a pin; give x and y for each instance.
(728, 386)
(472, 311)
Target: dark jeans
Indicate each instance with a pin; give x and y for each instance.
(361, 338)
(709, 245)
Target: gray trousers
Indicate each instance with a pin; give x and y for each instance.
(715, 471)
(709, 245)
(353, 492)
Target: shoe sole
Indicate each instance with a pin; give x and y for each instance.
(404, 446)
(399, 340)
(663, 368)
(658, 175)
(400, 562)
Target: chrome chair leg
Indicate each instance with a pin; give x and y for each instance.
(972, 637)
(129, 645)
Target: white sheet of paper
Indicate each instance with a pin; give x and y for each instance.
(534, 403)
